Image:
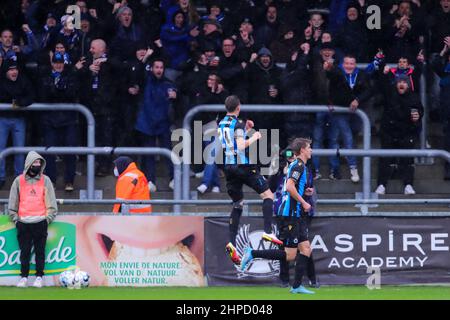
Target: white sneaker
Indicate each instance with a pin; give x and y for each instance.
(409, 190)
(354, 176)
(380, 189)
(215, 190)
(22, 283)
(200, 174)
(202, 188)
(38, 282)
(152, 186)
(171, 184)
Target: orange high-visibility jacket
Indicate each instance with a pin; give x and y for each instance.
(133, 185)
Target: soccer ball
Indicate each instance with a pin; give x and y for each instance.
(82, 279)
(67, 279)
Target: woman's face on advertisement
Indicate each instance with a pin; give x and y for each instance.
(145, 239)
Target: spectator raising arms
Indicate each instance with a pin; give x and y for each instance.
(153, 119)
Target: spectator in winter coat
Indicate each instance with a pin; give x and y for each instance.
(404, 32)
(175, 38)
(352, 36)
(188, 9)
(191, 81)
(296, 90)
(232, 70)
(348, 87)
(216, 12)
(441, 66)
(9, 51)
(16, 90)
(69, 36)
(153, 119)
(264, 87)
(399, 130)
(439, 24)
(268, 31)
(320, 92)
(59, 85)
(131, 88)
(316, 26)
(97, 77)
(404, 67)
(245, 41)
(211, 35)
(127, 35)
(287, 43)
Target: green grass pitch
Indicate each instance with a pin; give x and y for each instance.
(227, 293)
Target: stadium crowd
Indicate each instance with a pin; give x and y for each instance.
(140, 65)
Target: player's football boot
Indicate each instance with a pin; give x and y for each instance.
(246, 258)
(232, 252)
(272, 238)
(301, 289)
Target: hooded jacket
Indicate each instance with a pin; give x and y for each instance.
(260, 78)
(175, 40)
(396, 119)
(50, 198)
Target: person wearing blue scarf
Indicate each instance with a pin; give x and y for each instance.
(348, 88)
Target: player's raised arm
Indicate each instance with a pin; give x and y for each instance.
(243, 143)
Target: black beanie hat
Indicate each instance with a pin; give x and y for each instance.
(122, 163)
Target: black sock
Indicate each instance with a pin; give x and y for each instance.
(284, 270)
(311, 270)
(275, 254)
(234, 224)
(301, 263)
(267, 208)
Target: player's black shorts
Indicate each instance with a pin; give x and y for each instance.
(293, 231)
(238, 175)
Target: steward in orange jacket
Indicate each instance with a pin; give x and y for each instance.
(131, 185)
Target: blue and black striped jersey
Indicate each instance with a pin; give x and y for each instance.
(298, 172)
(231, 128)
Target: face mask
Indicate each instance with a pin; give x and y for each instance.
(34, 170)
(116, 172)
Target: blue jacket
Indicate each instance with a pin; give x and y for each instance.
(153, 116)
(176, 43)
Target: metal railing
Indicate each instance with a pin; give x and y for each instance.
(247, 203)
(90, 161)
(270, 109)
(108, 151)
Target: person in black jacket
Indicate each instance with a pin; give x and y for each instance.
(264, 87)
(349, 87)
(399, 129)
(352, 36)
(15, 89)
(60, 128)
(130, 91)
(296, 89)
(97, 76)
(232, 70)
